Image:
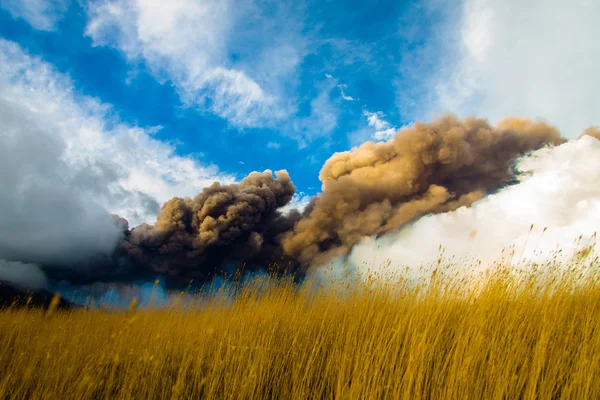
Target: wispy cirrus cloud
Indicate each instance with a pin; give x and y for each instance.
(221, 55)
(343, 88)
(41, 14)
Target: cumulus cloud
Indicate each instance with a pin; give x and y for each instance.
(46, 216)
(534, 59)
(41, 14)
(66, 162)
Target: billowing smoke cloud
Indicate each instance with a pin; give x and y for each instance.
(372, 190)
(224, 224)
(428, 168)
(557, 193)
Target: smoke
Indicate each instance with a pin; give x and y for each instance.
(427, 168)
(224, 224)
(593, 131)
(424, 180)
(549, 216)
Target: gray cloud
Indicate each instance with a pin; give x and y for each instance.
(28, 276)
(47, 211)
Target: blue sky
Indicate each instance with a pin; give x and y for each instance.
(156, 99)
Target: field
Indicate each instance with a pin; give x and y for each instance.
(529, 335)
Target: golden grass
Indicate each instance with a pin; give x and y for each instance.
(526, 337)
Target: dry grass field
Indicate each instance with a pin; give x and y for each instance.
(523, 336)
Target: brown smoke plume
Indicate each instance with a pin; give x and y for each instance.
(224, 223)
(593, 131)
(427, 168)
(378, 187)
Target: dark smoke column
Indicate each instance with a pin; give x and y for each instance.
(427, 168)
(224, 224)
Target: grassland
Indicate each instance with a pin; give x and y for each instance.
(532, 336)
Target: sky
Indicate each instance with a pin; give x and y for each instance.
(126, 104)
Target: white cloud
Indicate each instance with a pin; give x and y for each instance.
(41, 14)
(536, 58)
(342, 88)
(299, 202)
(383, 129)
(65, 159)
(346, 97)
(273, 145)
(375, 120)
(232, 94)
(191, 42)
